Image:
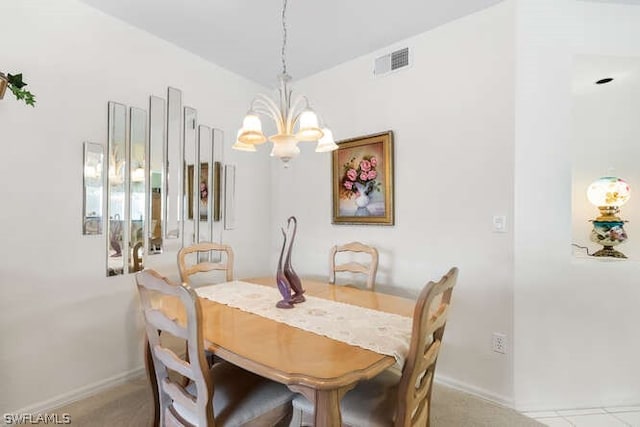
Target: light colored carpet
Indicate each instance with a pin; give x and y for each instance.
(130, 405)
(450, 407)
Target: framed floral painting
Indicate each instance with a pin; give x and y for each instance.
(363, 180)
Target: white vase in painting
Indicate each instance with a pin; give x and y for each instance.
(363, 199)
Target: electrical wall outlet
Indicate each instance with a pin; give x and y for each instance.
(499, 343)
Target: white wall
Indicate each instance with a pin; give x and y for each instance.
(576, 340)
(64, 326)
(452, 117)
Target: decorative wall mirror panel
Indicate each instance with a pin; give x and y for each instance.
(138, 186)
(117, 183)
(93, 189)
(190, 156)
(229, 197)
(173, 163)
(218, 141)
(162, 179)
(202, 184)
(157, 138)
(202, 181)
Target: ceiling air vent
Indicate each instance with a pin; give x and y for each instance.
(391, 62)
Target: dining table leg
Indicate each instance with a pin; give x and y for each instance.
(326, 404)
(327, 409)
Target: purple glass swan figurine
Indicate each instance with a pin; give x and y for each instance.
(283, 284)
(290, 274)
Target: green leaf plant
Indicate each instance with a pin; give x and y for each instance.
(16, 84)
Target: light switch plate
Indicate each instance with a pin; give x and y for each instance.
(499, 224)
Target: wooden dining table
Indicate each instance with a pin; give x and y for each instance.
(320, 368)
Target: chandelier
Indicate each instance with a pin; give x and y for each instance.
(295, 121)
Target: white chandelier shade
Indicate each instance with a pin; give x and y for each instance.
(251, 132)
(326, 143)
(241, 146)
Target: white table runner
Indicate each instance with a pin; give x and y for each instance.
(381, 332)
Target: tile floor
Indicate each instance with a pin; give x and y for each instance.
(621, 416)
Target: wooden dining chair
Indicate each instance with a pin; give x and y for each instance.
(369, 269)
(391, 398)
(224, 395)
(137, 255)
(200, 251)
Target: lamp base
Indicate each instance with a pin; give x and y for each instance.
(608, 251)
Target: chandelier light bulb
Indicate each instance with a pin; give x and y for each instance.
(308, 129)
(252, 122)
(251, 132)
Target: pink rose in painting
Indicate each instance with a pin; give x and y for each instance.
(365, 165)
(358, 171)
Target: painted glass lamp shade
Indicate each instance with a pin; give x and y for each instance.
(608, 194)
(609, 191)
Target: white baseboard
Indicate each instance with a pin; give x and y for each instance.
(575, 405)
(81, 393)
(475, 391)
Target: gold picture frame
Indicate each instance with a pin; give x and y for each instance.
(362, 180)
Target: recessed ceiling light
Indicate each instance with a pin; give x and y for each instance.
(603, 81)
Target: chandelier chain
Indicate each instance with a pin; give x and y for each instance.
(283, 53)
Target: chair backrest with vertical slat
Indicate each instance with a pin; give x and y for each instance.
(354, 267)
(137, 256)
(429, 320)
(188, 269)
(150, 284)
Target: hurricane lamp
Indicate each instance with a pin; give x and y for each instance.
(608, 194)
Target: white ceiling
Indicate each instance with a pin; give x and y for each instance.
(244, 36)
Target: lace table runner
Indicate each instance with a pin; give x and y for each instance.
(381, 332)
